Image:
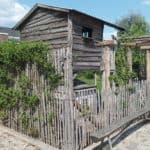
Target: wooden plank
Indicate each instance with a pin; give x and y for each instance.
(95, 64)
(43, 15)
(147, 47)
(83, 54)
(87, 59)
(107, 43)
(77, 47)
(53, 24)
(46, 22)
(45, 37)
(84, 68)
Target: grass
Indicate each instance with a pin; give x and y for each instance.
(88, 77)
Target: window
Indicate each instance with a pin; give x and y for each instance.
(86, 32)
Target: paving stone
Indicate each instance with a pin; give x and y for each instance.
(138, 140)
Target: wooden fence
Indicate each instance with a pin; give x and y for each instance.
(93, 114)
(112, 109)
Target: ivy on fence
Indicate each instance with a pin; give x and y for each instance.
(13, 60)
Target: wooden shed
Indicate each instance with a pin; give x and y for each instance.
(61, 27)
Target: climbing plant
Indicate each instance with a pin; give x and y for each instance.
(15, 87)
(135, 25)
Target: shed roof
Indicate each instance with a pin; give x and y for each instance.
(36, 6)
(9, 31)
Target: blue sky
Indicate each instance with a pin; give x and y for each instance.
(110, 10)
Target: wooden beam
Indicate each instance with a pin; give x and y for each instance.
(136, 38)
(128, 44)
(145, 47)
(132, 44)
(136, 44)
(107, 43)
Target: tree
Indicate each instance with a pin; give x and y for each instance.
(135, 25)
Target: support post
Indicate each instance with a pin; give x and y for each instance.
(95, 75)
(68, 83)
(129, 58)
(148, 65)
(106, 68)
(108, 60)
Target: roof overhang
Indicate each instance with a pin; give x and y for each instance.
(36, 6)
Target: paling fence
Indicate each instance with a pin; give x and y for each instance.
(90, 113)
(99, 114)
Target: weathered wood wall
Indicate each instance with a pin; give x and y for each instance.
(86, 54)
(52, 27)
(48, 26)
(80, 21)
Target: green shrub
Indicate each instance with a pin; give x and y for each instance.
(14, 58)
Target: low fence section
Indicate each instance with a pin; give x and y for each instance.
(112, 109)
(93, 114)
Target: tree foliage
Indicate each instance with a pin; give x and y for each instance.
(135, 25)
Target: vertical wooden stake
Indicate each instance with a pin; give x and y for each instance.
(95, 79)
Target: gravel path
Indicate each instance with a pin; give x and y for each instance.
(137, 138)
(11, 140)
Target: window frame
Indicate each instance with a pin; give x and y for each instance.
(87, 32)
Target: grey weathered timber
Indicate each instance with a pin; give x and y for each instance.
(105, 68)
(96, 25)
(148, 64)
(69, 136)
(116, 108)
(49, 24)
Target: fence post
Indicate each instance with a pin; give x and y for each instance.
(68, 81)
(148, 65)
(106, 71)
(108, 60)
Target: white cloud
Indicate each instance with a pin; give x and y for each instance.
(146, 2)
(108, 35)
(11, 11)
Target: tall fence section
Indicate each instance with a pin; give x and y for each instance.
(69, 118)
